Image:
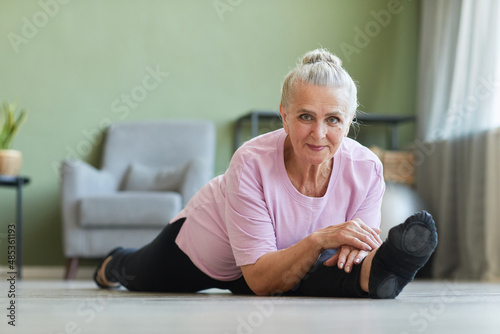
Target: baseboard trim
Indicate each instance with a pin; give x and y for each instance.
(50, 272)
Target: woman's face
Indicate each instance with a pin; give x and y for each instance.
(316, 122)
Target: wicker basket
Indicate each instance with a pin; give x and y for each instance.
(399, 166)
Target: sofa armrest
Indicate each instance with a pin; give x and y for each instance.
(198, 173)
(80, 179)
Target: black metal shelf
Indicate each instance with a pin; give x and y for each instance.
(255, 115)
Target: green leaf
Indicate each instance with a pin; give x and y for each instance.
(11, 123)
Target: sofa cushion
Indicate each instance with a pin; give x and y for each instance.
(129, 209)
(140, 177)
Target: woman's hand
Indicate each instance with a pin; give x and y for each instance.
(281, 270)
(347, 256)
(354, 233)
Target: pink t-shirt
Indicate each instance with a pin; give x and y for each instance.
(254, 208)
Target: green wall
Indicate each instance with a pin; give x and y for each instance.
(70, 62)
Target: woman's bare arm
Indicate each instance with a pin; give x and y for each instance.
(281, 270)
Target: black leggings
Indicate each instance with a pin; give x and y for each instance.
(161, 266)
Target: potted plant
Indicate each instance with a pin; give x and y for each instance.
(10, 160)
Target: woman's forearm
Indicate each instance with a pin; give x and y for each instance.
(281, 270)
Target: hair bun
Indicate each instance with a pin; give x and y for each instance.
(320, 55)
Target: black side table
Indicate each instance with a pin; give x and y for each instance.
(18, 182)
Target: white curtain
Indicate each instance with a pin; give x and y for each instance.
(458, 144)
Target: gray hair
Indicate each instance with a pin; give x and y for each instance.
(321, 68)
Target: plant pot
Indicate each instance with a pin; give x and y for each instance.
(10, 162)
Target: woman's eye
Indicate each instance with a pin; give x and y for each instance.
(333, 120)
(305, 117)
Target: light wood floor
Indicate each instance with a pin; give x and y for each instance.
(79, 307)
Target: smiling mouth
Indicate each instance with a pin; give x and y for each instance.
(316, 148)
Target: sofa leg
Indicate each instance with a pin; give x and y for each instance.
(71, 268)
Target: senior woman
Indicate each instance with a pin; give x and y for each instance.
(296, 213)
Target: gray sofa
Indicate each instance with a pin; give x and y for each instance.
(150, 170)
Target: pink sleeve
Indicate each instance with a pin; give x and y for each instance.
(369, 211)
(249, 226)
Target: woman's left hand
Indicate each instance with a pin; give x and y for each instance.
(346, 257)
